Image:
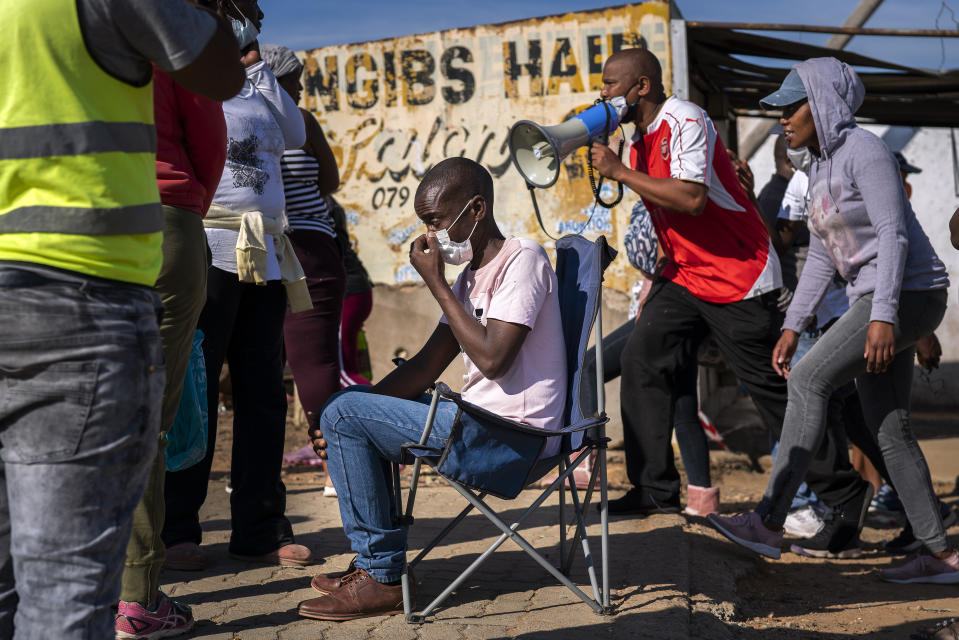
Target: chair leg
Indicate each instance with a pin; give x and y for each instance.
(604, 519)
(581, 535)
(442, 534)
(562, 520)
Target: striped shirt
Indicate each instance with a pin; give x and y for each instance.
(305, 207)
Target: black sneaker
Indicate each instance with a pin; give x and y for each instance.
(634, 503)
(949, 517)
(839, 538)
(830, 542)
(906, 542)
(903, 544)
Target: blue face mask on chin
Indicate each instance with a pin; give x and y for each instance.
(245, 32)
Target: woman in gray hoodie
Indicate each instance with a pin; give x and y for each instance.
(863, 229)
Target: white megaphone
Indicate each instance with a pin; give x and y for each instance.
(538, 151)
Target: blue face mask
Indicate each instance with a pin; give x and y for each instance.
(245, 32)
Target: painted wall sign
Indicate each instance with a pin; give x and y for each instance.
(393, 108)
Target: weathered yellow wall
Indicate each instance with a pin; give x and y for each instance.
(393, 108)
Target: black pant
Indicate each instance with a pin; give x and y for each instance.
(242, 324)
(660, 348)
(693, 446)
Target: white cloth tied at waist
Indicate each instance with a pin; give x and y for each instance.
(251, 252)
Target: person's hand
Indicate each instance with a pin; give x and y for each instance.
(783, 352)
(604, 160)
(252, 56)
(929, 352)
(880, 347)
(743, 173)
(426, 259)
(316, 436)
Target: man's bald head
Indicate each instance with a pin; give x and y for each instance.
(456, 177)
(639, 63)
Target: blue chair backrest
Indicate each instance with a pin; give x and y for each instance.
(579, 269)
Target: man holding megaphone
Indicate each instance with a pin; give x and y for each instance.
(721, 276)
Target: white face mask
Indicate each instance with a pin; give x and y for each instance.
(622, 108)
(456, 253)
(245, 32)
(800, 158)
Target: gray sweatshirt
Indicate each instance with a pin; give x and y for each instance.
(860, 219)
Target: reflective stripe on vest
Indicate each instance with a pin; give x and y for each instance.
(134, 219)
(76, 138)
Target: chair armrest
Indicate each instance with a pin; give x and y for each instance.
(583, 425)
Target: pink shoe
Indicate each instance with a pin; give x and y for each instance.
(305, 455)
(701, 501)
(169, 618)
(925, 569)
(747, 529)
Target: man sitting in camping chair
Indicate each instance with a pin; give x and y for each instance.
(503, 314)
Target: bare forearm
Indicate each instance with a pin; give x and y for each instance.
(406, 381)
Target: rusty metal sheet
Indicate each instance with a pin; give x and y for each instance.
(393, 108)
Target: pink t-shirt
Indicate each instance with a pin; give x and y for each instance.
(519, 286)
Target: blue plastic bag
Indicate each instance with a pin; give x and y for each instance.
(186, 439)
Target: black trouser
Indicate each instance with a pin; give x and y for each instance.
(662, 345)
(693, 446)
(242, 324)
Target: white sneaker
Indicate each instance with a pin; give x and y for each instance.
(803, 522)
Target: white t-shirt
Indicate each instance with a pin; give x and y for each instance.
(519, 286)
(835, 302)
(262, 122)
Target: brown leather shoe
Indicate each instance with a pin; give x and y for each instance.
(186, 556)
(289, 555)
(330, 582)
(359, 596)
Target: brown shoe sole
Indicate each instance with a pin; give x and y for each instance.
(273, 560)
(346, 616)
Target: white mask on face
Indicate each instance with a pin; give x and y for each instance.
(456, 253)
(245, 32)
(800, 158)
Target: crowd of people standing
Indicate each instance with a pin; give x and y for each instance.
(116, 246)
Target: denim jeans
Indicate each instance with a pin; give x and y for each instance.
(81, 384)
(836, 359)
(364, 433)
(804, 495)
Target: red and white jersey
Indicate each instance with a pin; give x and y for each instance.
(723, 254)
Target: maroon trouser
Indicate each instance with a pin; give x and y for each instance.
(312, 337)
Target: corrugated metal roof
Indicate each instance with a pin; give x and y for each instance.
(895, 94)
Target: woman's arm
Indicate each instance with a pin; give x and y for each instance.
(328, 178)
(877, 177)
(816, 275)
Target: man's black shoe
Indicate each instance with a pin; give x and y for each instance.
(827, 544)
(635, 503)
(839, 538)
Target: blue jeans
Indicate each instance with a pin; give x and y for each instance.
(81, 384)
(364, 433)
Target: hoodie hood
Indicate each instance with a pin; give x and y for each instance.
(835, 95)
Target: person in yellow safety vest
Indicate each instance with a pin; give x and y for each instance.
(81, 370)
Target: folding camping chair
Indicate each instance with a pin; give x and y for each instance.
(489, 455)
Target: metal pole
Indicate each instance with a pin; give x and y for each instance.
(754, 138)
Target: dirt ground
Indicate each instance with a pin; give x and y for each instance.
(792, 598)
